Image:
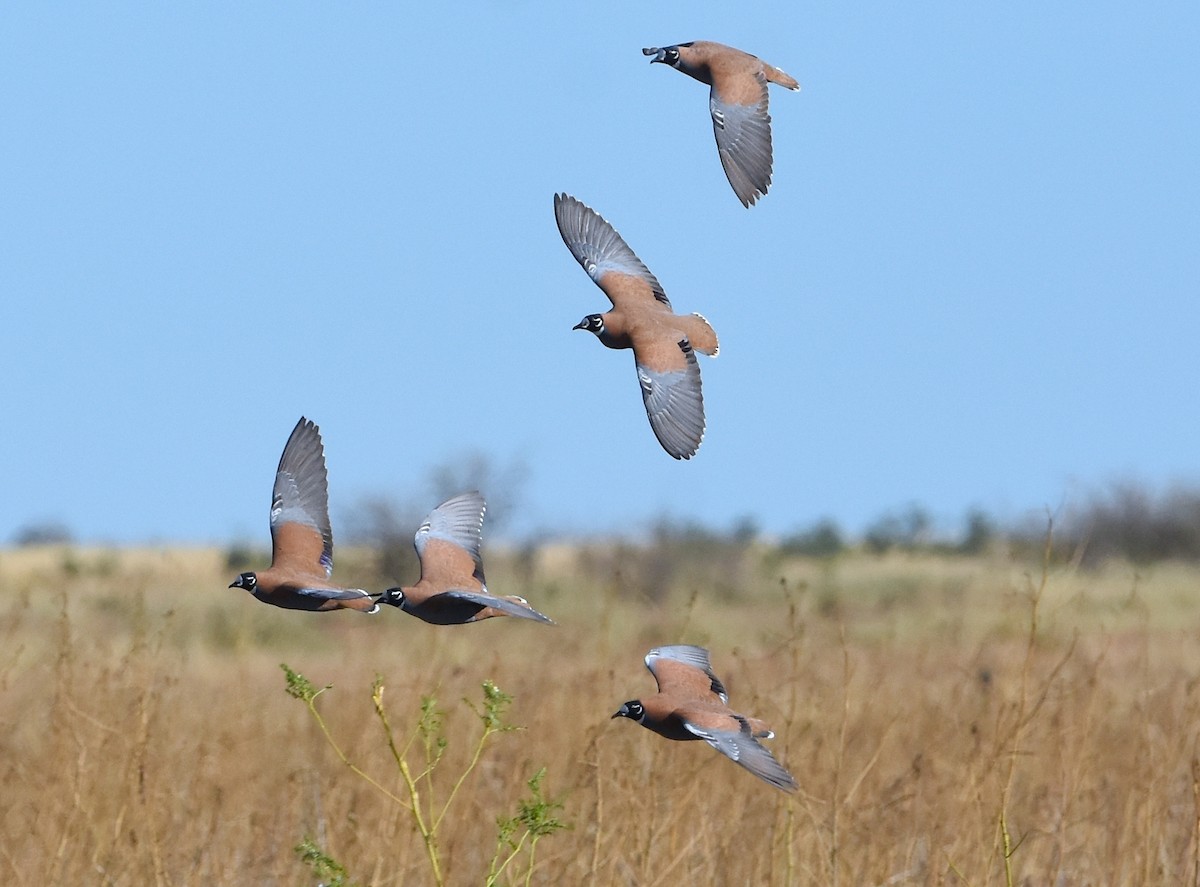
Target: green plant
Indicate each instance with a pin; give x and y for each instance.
(331, 872)
(428, 800)
(534, 820)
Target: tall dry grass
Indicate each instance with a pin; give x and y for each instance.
(949, 721)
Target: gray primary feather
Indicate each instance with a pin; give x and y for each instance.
(744, 144)
(336, 594)
(301, 492)
(675, 405)
(597, 246)
(743, 748)
(688, 654)
(498, 603)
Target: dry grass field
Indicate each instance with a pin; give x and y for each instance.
(950, 721)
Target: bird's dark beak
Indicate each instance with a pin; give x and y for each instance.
(236, 583)
(582, 325)
(623, 712)
(659, 54)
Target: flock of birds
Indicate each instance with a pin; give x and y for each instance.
(691, 702)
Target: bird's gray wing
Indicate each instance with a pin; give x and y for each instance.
(458, 520)
(674, 403)
(301, 491)
(744, 144)
(336, 594)
(743, 748)
(332, 594)
(497, 603)
(597, 246)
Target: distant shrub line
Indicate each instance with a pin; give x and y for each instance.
(1125, 521)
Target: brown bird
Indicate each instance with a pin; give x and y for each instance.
(738, 104)
(691, 703)
(663, 343)
(301, 539)
(452, 589)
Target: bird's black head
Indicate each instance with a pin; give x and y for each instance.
(632, 709)
(393, 596)
(248, 581)
(668, 55)
(593, 323)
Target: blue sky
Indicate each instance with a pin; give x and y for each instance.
(974, 282)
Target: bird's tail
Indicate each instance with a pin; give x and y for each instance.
(783, 78)
(701, 334)
(759, 729)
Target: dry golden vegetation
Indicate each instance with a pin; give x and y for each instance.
(950, 721)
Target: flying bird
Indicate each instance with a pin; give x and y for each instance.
(737, 101)
(691, 703)
(452, 589)
(663, 343)
(301, 539)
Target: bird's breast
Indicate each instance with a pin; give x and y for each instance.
(697, 72)
(663, 718)
(616, 332)
(609, 340)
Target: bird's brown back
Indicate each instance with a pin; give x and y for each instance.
(296, 550)
(683, 683)
(444, 567)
